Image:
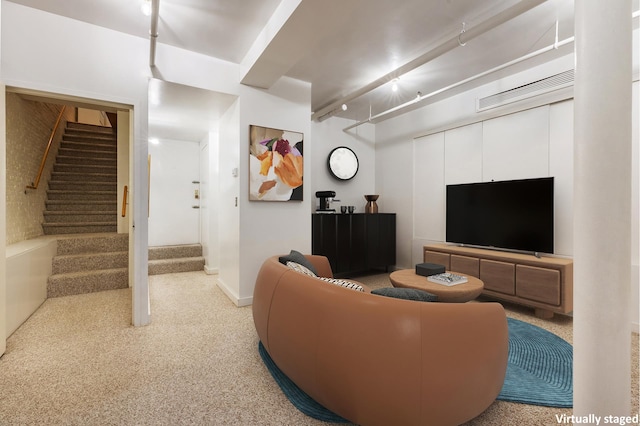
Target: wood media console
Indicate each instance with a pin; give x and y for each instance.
(545, 284)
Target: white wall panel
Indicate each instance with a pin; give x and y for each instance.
(463, 154)
(516, 146)
(561, 168)
(428, 192)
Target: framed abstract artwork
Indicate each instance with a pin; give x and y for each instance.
(275, 164)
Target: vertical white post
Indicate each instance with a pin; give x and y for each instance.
(602, 208)
(3, 223)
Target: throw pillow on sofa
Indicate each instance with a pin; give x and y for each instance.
(297, 257)
(300, 268)
(406, 293)
(343, 283)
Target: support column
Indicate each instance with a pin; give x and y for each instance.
(602, 208)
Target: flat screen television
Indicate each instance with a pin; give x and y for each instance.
(514, 214)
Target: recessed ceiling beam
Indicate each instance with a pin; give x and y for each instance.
(293, 31)
(457, 41)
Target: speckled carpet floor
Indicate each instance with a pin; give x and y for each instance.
(78, 361)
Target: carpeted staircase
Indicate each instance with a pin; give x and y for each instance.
(86, 264)
(82, 199)
(180, 258)
(82, 194)
(90, 263)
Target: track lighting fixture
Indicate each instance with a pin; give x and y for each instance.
(145, 7)
(394, 84)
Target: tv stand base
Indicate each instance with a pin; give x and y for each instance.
(545, 284)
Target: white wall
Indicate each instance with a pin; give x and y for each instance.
(228, 159)
(329, 135)
(268, 228)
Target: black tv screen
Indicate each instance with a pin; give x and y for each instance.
(514, 214)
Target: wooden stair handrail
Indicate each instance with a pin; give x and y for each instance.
(124, 201)
(34, 184)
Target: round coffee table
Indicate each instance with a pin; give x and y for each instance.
(456, 293)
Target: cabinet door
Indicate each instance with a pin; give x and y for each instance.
(498, 276)
(373, 240)
(324, 237)
(358, 243)
(343, 243)
(381, 240)
(388, 239)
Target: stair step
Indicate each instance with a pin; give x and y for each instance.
(101, 138)
(81, 195)
(168, 266)
(74, 126)
(74, 217)
(80, 168)
(93, 244)
(61, 185)
(89, 261)
(175, 251)
(97, 160)
(88, 146)
(80, 205)
(87, 282)
(79, 228)
(84, 153)
(86, 177)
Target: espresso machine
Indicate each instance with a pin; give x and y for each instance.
(326, 198)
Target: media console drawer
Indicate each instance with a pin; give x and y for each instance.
(539, 284)
(545, 283)
(438, 258)
(498, 276)
(466, 265)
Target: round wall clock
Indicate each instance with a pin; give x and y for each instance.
(342, 163)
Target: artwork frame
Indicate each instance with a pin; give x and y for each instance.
(276, 171)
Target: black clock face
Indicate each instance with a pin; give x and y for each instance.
(343, 163)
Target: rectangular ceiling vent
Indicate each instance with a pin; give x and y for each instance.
(546, 85)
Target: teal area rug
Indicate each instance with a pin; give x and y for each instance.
(539, 372)
(540, 367)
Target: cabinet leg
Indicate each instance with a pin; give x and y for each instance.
(543, 313)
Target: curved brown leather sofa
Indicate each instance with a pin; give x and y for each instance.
(376, 360)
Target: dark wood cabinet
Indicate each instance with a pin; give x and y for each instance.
(355, 243)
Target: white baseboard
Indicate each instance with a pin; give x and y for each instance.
(238, 301)
(211, 271)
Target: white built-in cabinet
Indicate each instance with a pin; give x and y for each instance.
(516, 146)
(528, 144)
(463, 154)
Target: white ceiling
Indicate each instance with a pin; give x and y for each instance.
(338, 46)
